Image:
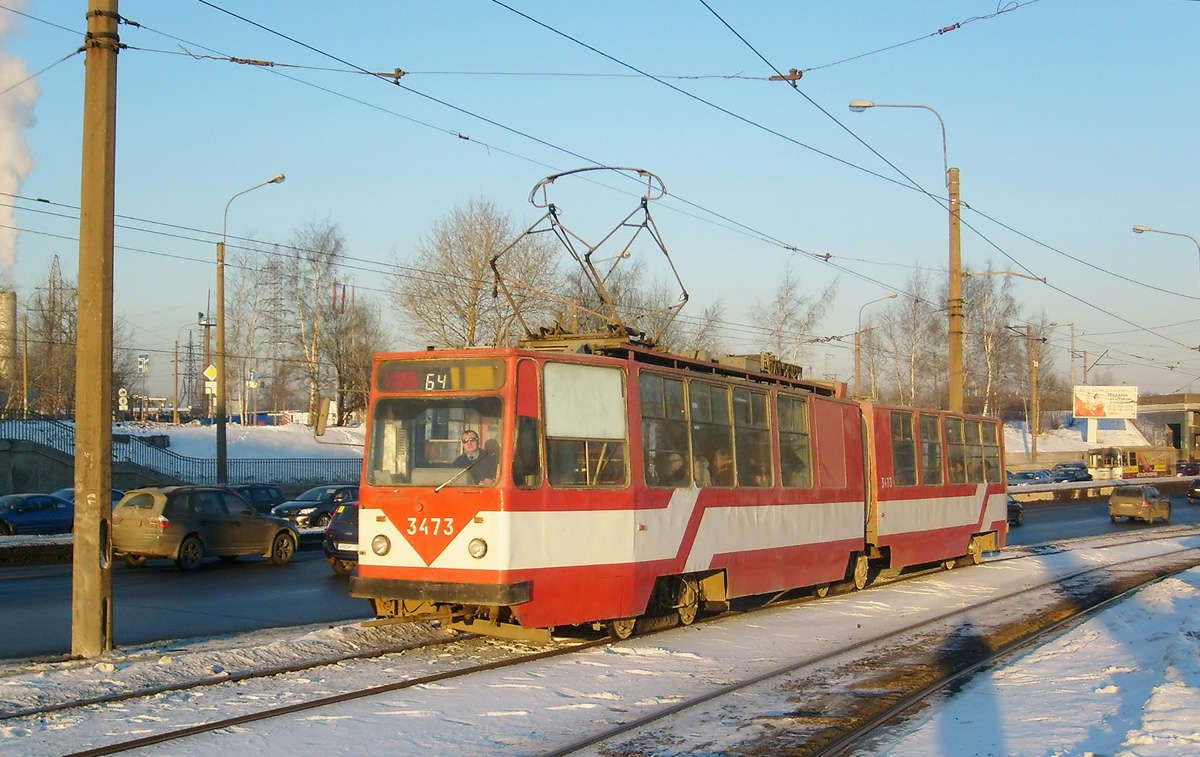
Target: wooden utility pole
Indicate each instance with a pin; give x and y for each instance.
(91, 597)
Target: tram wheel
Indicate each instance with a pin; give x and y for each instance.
(621, 628)
(821, 590)
(947, 564)
(861, 572)
(974, 554)
(689, 601)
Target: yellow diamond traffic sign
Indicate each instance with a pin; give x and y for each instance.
(210, 373)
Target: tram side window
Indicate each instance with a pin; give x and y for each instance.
(956, 450)
(931, 450)
(904, 449)
(752, 436)
(664, 432)
(585, 426)
(712, 434)
(527, 464)
(795, 444)
(992, 473)
(974, 452)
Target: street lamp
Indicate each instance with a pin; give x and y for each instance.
(955, 305)
(1140, 229)
(222, 461)
(858, 342)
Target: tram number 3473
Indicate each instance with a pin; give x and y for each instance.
(430, 526)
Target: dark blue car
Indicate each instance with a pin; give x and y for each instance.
(35, 514)
(341, 539)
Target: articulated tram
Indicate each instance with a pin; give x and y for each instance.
(512, 491)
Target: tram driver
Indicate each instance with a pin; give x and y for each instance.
(481, 461)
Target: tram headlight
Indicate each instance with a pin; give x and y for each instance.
(477, 548)
(381, 545)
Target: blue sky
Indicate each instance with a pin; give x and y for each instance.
(1070, 121)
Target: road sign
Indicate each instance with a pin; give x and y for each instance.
(210, 387)
(144, 363)
(251, 384)
(210, 372)
(122, 403)
(122, 392)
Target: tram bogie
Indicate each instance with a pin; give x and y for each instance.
(512, 491)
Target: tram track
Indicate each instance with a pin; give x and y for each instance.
(470, 650)
(844, 699)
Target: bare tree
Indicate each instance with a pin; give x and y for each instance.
(314, 254)
(789, 317)
(49, 330)
(355, 335)
(50, 344)
(913, 339)
(990, 349)
(702, 333)
(446, 290)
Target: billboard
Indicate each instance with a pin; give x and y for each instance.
(1106, 401)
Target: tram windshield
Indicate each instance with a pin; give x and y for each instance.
(426, 441)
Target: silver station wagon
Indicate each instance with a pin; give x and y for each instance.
(187, 523)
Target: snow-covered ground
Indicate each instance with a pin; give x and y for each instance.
(1126, 682)
(293, 440)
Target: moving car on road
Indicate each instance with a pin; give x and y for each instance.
(1193, 493)
(1142, 502)
(35, 514)
(186, 523)
(1016, 512)
(341, 539)
(314, 508)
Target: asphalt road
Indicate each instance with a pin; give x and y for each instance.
(158, 601)
(1061, 520)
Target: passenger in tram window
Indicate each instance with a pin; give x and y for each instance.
(671, 470)
(701, 472)
(721, 470)
(958, 472)
(484, 471)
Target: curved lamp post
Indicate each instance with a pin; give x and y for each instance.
(1142, 229)
(858, 343)
(955, 305)
(222, 443)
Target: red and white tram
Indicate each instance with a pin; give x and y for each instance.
(636, 485)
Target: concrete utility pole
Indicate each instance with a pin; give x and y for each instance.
(955, 296)
(91, 597)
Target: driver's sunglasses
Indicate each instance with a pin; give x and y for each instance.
(470, 440)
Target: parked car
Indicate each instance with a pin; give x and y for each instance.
(1017, 478)
(341, 539)
(262, 497)
(186, 523)
(315, 507)
(1016, 512)
(1143, 502)
(1187, 469)
(1073, 471)
(69, 495)
(35, 514)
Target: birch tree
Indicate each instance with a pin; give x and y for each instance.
(446, 288)
(789, 317)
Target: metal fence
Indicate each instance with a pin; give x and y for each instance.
(191, 470)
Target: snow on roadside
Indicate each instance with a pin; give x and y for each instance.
(1125, 682)
(293, 440)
